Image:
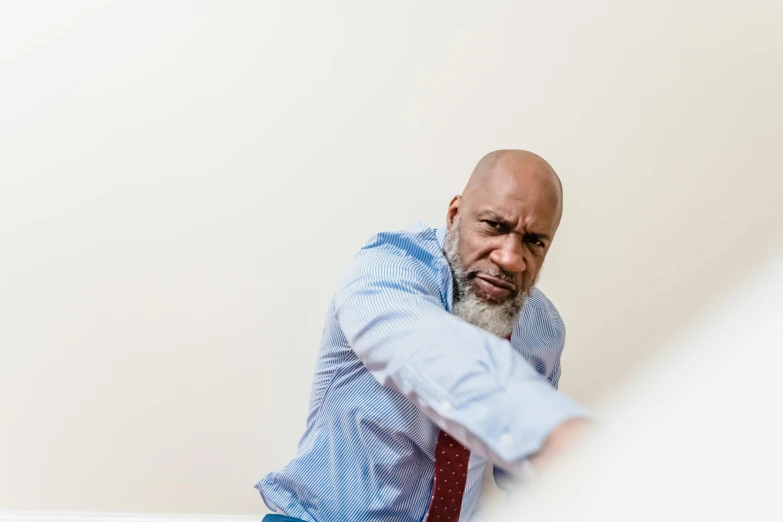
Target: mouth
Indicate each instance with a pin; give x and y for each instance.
(492, 288)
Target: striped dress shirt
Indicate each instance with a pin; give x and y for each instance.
(394, 367)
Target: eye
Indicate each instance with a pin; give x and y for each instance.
(493, 224)
(536, 242)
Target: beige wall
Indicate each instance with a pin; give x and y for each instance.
(181, 184)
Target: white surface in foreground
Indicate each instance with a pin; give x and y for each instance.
(696, 437)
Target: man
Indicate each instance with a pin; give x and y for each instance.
(417, 389)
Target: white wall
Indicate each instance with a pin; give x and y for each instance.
(181, 184)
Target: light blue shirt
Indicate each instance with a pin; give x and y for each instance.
(394, 367)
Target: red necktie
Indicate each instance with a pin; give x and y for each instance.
(451, 474)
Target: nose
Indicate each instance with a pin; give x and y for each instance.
(509, 255)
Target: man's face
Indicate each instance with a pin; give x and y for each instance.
(500, 233)
(505, 231)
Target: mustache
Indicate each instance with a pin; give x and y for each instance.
(498, 274)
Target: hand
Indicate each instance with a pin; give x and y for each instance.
(563, 437)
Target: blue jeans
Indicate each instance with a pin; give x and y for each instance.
(281, 518)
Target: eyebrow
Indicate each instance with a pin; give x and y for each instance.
(494, 216)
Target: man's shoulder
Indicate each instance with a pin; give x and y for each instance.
(538, 299)
(539, 309)
(418, 242)
(411, 257)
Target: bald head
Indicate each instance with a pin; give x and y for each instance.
(506, 219)
(529, 168)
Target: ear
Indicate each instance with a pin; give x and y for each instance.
(453, 211)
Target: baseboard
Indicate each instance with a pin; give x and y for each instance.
(35, 516)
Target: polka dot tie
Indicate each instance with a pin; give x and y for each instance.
(451, 474)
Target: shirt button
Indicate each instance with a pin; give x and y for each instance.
(446, 407)
(505, 440)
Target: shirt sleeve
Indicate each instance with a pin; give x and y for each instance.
(469, 382)
(507, 480)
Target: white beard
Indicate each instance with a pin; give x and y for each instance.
(496, 318)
